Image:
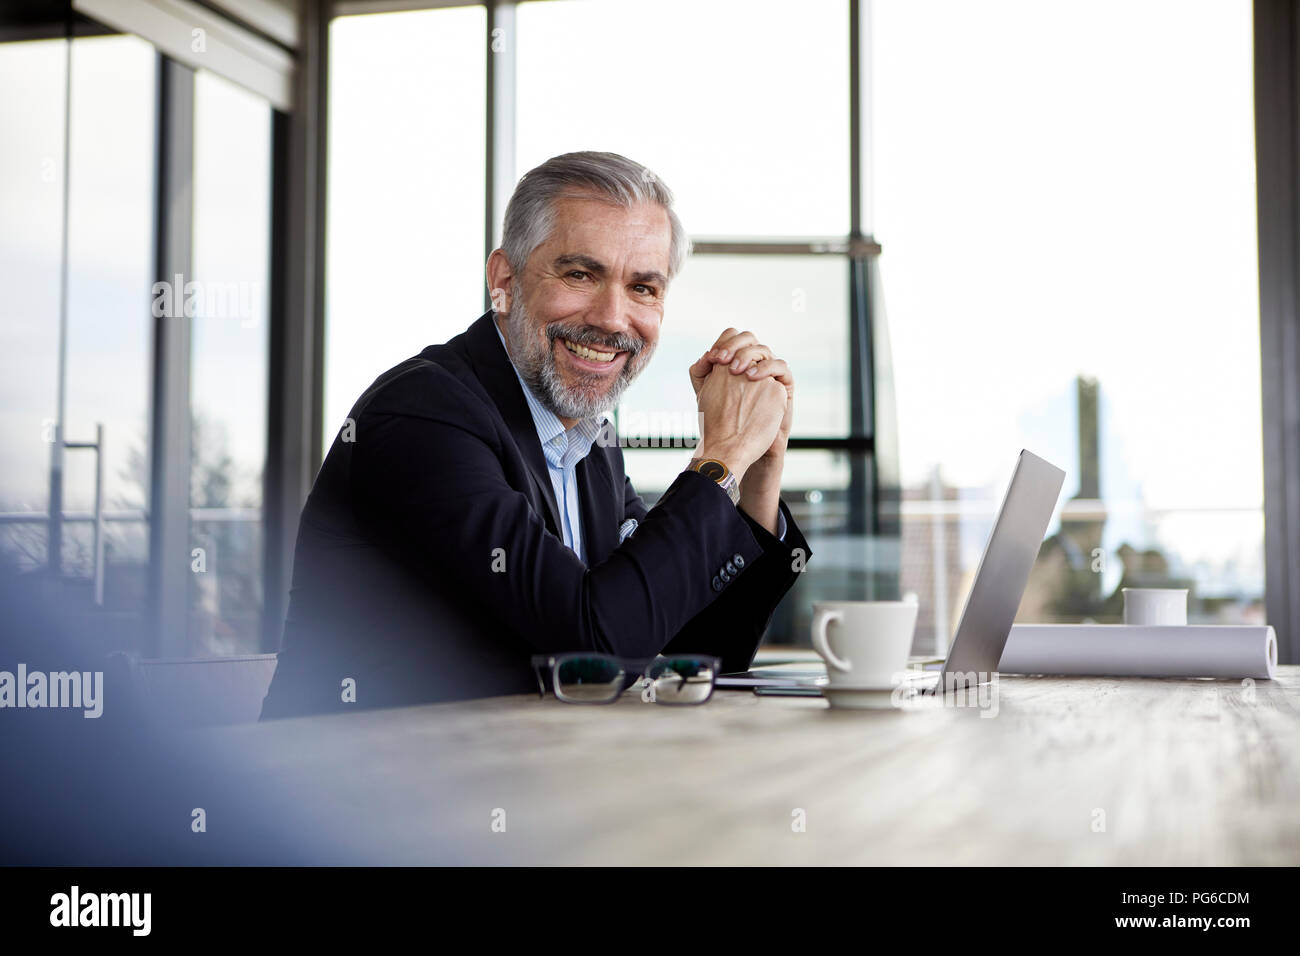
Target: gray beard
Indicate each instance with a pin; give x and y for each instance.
(536, 364)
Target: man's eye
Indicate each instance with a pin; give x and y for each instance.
(645, 289)
(578, 272)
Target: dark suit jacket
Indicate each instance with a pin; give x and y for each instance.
(429, 565)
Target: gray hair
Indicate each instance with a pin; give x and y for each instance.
(530, 215)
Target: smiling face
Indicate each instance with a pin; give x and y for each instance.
(585, 313)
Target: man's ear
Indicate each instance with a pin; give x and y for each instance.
(499, 276)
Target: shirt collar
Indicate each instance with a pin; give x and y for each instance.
(561, 448)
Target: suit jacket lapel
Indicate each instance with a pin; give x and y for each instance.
(498, 377)
(600, 514)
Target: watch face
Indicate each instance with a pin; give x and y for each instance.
(713, 470)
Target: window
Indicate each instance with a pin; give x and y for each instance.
(99, 320)
(228, 379)
(1065, 194)
(31, 251)
(797, 304)
(110, 363)
(692, 90)
(1035, 175)
(406, 174)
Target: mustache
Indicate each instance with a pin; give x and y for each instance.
(592, 338)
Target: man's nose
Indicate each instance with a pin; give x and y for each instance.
(608, 310)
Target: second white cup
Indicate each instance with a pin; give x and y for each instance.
(1159, 606)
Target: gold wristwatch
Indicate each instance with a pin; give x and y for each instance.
(715, 470)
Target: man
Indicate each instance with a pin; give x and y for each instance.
(473, 512)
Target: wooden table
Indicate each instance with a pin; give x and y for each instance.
(1090, 771)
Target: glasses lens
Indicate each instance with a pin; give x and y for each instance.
(587, 680)
(682, 680)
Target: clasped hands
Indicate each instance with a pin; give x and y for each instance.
(745, 396)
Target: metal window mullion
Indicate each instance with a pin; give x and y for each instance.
(864, 215)
(1277, 144)
(169, 487)
(855, 119)
(99, 515)
(862, 518)
(296, 390)
(54, 531)
(499, 153)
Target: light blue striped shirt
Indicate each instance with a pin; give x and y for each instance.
(563, 450)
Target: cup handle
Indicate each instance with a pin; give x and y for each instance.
(822, 644)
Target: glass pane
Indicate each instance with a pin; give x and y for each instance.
(232, 229)
(109, 244)
(110, 328)
(798, 305)
(406, 187)
(33, 74)
(744, 116)
(1070, 266)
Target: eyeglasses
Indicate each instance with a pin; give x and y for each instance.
(593, 678)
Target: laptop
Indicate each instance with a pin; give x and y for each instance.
(991, 606)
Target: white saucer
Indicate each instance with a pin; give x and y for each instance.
(861, 698)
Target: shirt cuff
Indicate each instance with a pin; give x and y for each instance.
(780, 525)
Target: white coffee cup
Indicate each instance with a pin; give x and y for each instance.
(864, 643)
(1159, 606)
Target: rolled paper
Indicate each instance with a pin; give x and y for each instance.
(1123, 650)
